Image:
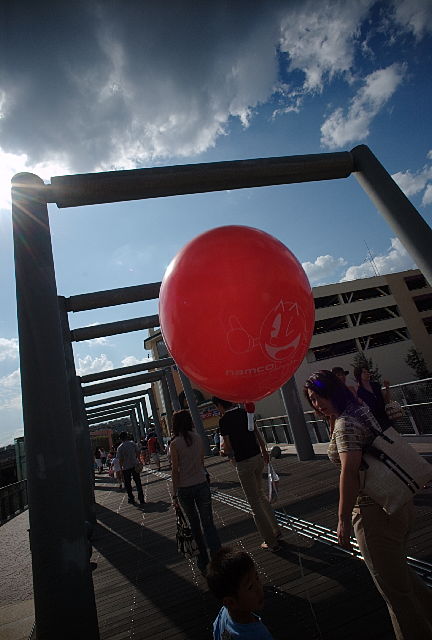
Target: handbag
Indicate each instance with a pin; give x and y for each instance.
(139, 467)
(186, 544)
(394, 471)
(394, 410)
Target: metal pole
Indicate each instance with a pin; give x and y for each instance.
(62, 582)
(108, 417)
(156, 420)
(411, 229)
(125, 371)
(167, 401)
(135, 427)
(121, 383)
(193, 408)
(297, 420)
(113, 328)
(145, 414)
(156, 182)
(172, 389)
(140, 419)
(110, 408)
(113, 297)
(82, 434)
(124, 396)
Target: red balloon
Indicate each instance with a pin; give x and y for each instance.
(236, 312)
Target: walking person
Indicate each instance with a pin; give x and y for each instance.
(116, 469)
(382, 538)
(190, 486)
(342, 374)
(217, 439)
(103, 457)
(370, 392)
(153, 448)
(250, 455)
(128, 456)
(97, 457)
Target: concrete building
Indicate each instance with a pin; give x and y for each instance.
(384, 316)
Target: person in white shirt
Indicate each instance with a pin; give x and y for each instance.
(128, 456)
(116, 467)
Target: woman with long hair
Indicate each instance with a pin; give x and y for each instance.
(190, 486)
(382, 538)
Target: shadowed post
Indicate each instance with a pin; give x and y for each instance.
(63, 589)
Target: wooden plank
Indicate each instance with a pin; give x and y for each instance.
(144, 589)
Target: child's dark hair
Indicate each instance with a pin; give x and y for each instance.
(226, 570)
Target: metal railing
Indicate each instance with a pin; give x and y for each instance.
(275, 430)
(13, 500)
(415, 398)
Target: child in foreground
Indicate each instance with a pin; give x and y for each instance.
(233, 579)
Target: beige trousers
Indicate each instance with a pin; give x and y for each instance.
(383, 542)
(250, 475)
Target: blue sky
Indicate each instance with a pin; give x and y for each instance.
(95, 87)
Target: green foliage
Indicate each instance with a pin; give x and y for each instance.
(415, 360)
(360, 360)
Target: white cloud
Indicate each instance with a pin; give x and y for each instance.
(10, 390)
(88, 364)
(8, 348)
(396, 259)
(427, 196)
(320, 38)
(414, 16)
(97, 341)
(11, 381)
(7, 437)
(341, 129)
(131, 360)
(413, 183)
(323, 268)
(131, 259)
(152, 81)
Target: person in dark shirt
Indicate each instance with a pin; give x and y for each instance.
(250, 455)
(370, 392)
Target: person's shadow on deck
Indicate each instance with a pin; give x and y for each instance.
(145, 557)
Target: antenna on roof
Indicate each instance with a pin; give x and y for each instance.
(371, 260)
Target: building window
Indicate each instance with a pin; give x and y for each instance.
(383, 338)
(423, 303)
(374, 315)
(365, 294)
(161, 349)
(326, 301)
(334, 350)
(331, 324)
(416, 282)
(428, 324)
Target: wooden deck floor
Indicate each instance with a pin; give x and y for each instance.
(145, 589)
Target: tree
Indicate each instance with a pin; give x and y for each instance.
(360, 360)
(415, 360)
